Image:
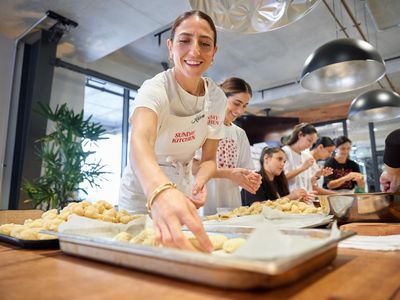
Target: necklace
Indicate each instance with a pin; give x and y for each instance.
(187, 108)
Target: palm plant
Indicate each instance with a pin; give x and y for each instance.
(65, 163)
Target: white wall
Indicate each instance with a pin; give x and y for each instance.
(6, 67)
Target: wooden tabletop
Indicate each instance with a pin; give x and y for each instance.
(50, 274)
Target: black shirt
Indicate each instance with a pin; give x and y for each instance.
(391, 156)
(263, 193)
(340, 170)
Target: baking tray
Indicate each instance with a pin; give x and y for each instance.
(214, 270)
(368, 207)
(30, 244)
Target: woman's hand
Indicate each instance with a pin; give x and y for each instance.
(199, 195)
(172, 209)
(325, 172)
(307, 164)
(302, 194)
(247, 179)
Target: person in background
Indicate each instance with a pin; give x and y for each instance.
(321, 150)
(234, 162)
(175, 113)
(302, 138)
(390, 178)
(274, 184)
(346, 172)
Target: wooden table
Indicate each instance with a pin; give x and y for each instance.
(50, 274)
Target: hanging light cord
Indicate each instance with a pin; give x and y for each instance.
(360, 31)
(342, 28)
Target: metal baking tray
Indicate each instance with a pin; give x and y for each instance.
(368, 207)
(214, 270)
(30, 244)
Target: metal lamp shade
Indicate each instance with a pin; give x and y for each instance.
(375, 105)
(253, 16)
(342, 65)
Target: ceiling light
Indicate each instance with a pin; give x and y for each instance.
(254, 16)
(375, 105)
(342, 65)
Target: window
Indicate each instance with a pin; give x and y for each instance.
(105, 102)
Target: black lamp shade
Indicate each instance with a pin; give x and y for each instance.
(342, 65)
(375, 105)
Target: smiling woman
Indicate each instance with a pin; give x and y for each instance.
(174, 114)
(234, 164)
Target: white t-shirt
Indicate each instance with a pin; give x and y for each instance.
(313, 169)
(233, 152)
(295, 161)
(178, 134)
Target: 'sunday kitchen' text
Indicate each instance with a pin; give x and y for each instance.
(185, 136)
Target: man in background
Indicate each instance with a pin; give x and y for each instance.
(390, 178)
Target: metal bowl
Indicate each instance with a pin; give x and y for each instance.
(368, 207)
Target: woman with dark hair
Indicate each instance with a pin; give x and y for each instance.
(302, 138)
(321, 150)
(234, 162)
(346, 172)
(175, 113)
(274, 184)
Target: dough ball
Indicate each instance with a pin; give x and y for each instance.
(142, 236)
(27, 234)
(123, 212)
(218, 241)
(232, 245)
(38, 223)
(125, 219)
(295, 209)
(50, 214)
(43, 236)
(91, 212)
(78, 210)
(123, 237)
(6, 228)
(110, 212)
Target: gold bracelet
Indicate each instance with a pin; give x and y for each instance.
(157, 191)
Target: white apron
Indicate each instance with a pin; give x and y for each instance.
(177, 140)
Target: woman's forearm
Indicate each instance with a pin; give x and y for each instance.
(291, 174)
(337, 182)
(207, 170)
(142, 155)
(223, 173)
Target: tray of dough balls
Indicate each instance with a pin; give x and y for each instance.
(282, 213)
(30, 234)
(243, 257)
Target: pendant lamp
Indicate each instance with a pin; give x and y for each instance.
(375, 105)
(253, 16)
(342, 65)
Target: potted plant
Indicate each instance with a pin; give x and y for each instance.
(65, 162)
